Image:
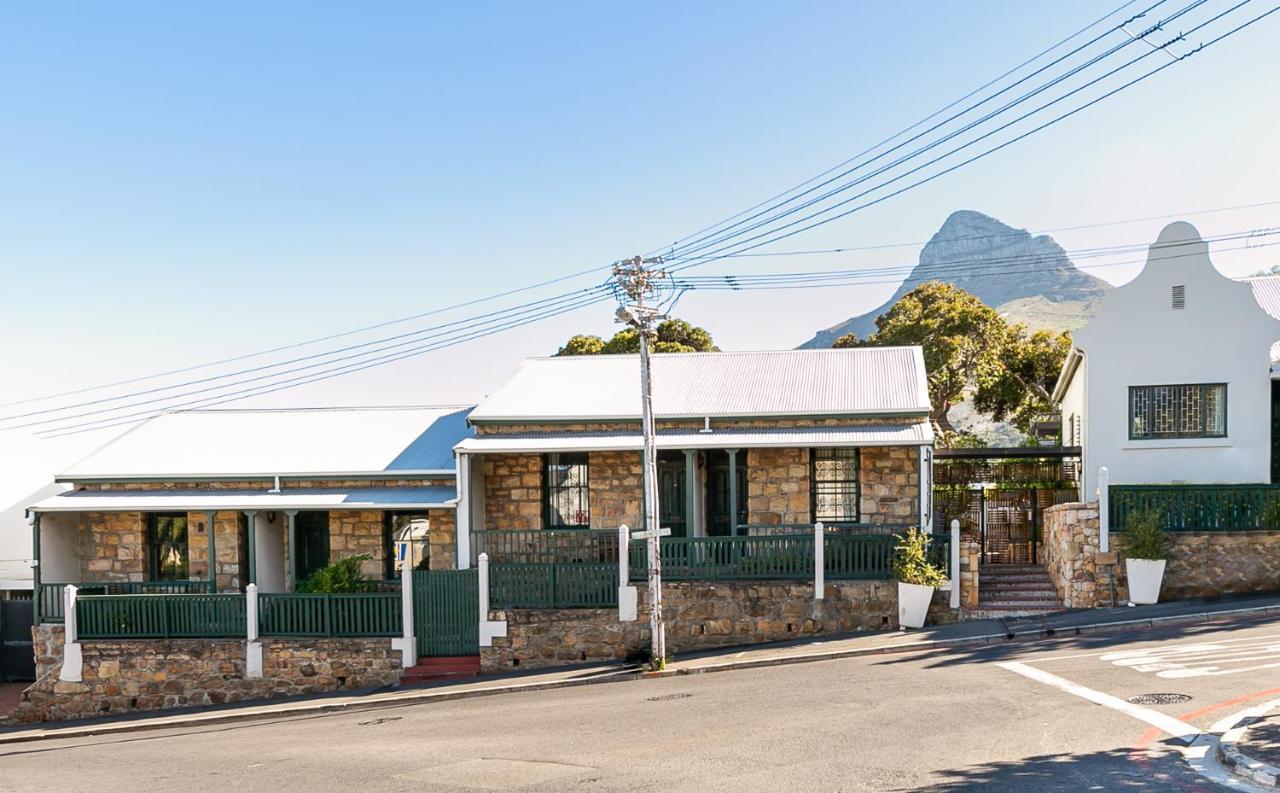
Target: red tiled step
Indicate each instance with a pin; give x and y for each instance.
(442, 668)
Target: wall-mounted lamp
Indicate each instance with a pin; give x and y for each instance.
(271, 517)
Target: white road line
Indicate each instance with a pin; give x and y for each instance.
(1156, 645)
(1175, 727)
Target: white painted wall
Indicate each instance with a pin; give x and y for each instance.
(1137, 338)
(269, 547)
(59, 547)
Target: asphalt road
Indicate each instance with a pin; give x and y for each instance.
(953, 721)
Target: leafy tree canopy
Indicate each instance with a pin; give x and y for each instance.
(672, 335)
(969, 347)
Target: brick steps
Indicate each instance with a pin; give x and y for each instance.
(441, 669)
(1015, 590)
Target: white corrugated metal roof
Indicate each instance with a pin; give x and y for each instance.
(1266, 290)
(312, 441)
(915, 434)
(861, 381)
(196, 500)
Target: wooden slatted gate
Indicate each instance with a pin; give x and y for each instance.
(446, 612)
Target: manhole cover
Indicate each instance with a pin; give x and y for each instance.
(667, 697)
(1159, 699)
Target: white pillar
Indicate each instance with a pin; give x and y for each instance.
(955, 563)
(252, 647)
(819, 561)
(407, 644)
(489, 629)
(462, 512)
(72, 658)
(628, 598)
(1104, 509)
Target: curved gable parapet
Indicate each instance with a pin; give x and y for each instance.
(1180, 298)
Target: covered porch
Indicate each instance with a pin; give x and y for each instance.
(168, 541)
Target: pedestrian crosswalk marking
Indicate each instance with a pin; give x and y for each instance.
(1206, 659)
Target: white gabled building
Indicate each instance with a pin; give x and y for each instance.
(1172, 380)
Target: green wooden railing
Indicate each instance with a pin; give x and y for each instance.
(160, 616)
(782, 556)
(859, 556)
(351, 614)
(546, 546)
(53, 595)
(1198, 507)
(940, 550)
(593, 585)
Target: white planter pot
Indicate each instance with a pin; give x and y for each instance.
(913, 604)
(1145, 576)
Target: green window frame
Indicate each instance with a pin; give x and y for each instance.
(566, 501)
(835, 484)
(168, 546)
(1184, 410)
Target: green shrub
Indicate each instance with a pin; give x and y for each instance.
(911, 561)
(341, 576)
(1144, 538)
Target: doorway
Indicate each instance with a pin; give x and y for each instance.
(719, 523)
(312, 530)
(672, 511)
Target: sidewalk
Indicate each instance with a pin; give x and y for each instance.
(966, 634)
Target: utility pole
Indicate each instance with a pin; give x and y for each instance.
(638, 281)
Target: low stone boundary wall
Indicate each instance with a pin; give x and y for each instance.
(138, 675)
(698, 616)
(1201, 564)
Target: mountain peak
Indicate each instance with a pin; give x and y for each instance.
(1007, 268)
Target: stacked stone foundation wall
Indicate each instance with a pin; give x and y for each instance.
(141, 675)
(698, 616)
(1204, 564)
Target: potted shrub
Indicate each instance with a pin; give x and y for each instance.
(1146, 551)
(916, 577)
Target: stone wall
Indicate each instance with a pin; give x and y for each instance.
(512, 491)
(698, 616)
(970, 564)
(112, 546)
(615, 488)
(1201, 564)
(890, 485)
(127, 676)
(777, 486)
(442, 540)
(355, 532)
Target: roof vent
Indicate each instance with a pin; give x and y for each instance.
(1179, 297)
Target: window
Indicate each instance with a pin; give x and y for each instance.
(167, 546)
(564, 491)
(1178, 411)
(834, 487)
(413, 528)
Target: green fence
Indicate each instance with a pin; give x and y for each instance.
(782, 556)
(859, 556)
(547, 546)
(53, 595)
(446, 612)
(1198, 507)
(353, 614)
(160, 616)
(553, 585)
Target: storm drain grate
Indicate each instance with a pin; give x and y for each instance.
(667, 697)
(1159, 699)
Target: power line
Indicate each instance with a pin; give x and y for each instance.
(905, 130)
(981, 155)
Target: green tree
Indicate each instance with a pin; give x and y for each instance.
(672, 335)
(969, 347)
(1022, 385)
(961, 337)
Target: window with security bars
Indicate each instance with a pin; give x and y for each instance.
(1197, 410)
(833, 485)
(564, 486)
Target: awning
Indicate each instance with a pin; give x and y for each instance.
(916, 434)
(231, 500)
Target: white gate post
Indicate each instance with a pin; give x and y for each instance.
(72, 658)
(489, 629)
(407, 643)
(819, 561)
(252, 647)
(1104, 509)
(628, 598)
(955, 563)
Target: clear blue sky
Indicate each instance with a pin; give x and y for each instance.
(185, 181)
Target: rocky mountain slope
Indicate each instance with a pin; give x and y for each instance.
(1027, 279)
